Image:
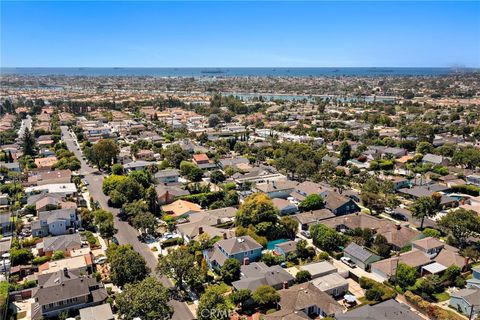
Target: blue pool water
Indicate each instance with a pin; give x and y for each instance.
(271, 244)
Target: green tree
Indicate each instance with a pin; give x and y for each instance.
(241, 296)
(177, 264)
(147, 300)
(117, 169)
(146, 222)
(303, 276)
(212, 305)
(255, 209)
(28, 143)
(461, 223)
(327, 239)
(213, 120)
(58, 255)
(217, 177)
(191, 171)
(266, 296)
(126, 265)
(174, 154)
(424, 147)
(425, 207)
(382, 247)
(345, 151)
(311, 202)
(405, 275)
(290, 226)
(111, 182)
(105, 152)
(104, 221)
(19, 256)
(230, 270)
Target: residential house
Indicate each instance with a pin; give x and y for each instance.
(5, 223)
(203, 162)
(362, 257)
(63, 189)
(304, 301)
(284, 207)
(82, 264)
(50, 177)
(137, 165)
(180, 208)
(319, 269)
(257, 274)
(167, 176)
(285, 248)
(213, 222)
(66, 243)
(339, 204)
(245, 249)
(10, 166)
(306, 188)
(145, 155)
(466, 301)
(100, 312)
(306, 219)
(435, 160)
(168, 193)
(333, 284)
(233, 162)
(259, 175)
(65, 291)
(474, 281)
(55, 222)
(386, 310)
(473, 179)
(276, 189)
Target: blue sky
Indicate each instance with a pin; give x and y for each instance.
(239, 34)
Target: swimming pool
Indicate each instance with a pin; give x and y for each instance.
(271, 244)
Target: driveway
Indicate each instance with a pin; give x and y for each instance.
(126, 234)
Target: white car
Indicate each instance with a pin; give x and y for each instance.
(348, 262)
(100, 260)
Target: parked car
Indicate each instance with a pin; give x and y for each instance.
(306, 234)
(115, 240)
(100, 260)
(348, 262)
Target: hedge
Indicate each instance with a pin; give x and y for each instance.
(432, 311)
(388, 293)
(467, 189)
(204, 199)
(3, 295)
(171, 242)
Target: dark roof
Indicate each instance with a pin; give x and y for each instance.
(335, 200)
(258, 273)
(313, 216)
(239, 244)
(387, 310)
(294, 300)
(358, 252)
(63, 242)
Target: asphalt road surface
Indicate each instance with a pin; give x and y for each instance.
(126, 233)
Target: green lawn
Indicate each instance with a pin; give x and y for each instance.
(442, 296)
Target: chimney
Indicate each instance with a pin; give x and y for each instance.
(398, 226)
(224, 236)
(246, 261)
(200, 230)
(65, 272)
(285, 284)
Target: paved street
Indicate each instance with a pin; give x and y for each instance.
(126, 234)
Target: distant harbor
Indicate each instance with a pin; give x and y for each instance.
(234, 72)
(289, 97)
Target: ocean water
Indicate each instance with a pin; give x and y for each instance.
(233, 72)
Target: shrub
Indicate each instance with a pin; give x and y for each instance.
(303, 276)
(434, 312)
(376, 287)
(467, 189)
(172, 242)
(374, 294)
